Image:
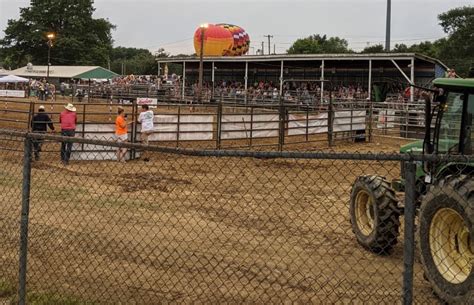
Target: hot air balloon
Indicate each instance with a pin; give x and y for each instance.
(222, 40)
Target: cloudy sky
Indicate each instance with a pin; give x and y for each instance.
(170, 24)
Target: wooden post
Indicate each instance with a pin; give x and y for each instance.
(251, 126)
(178, 126)
(330, 121)
(83, 124)
(307, 123)
(219, 125)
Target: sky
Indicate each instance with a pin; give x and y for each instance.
(170, 24)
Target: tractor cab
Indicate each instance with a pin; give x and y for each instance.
(452, 133)
(448, 131)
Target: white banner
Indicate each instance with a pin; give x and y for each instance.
(12, 93)
(165, 128)
(196, 127)
(347, 121)
(191, 127)
(104, 132)
(318, 123)
(152, 102)
(237, 126)
(386, 119)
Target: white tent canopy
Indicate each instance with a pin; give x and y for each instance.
(13, 79)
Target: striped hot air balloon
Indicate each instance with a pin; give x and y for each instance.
(222, 40)
(241, 43)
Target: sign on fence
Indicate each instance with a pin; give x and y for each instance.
(152, 102)
(12, 93)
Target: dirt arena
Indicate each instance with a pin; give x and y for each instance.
(183, 229)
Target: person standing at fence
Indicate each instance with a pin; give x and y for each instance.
(68, 121)
(121, 132)
(146, 118)
(40, 123)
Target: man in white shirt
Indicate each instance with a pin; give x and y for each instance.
(146, 119)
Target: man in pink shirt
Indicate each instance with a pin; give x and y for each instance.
(68, 120)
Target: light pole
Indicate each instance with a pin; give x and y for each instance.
(50, 37)
(387, 29)
(201, 64)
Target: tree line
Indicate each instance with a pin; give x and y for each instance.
(81, 39)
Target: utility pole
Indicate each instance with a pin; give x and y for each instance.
(269, 43)
(263, 46)
(274, 49)
(387, 32)
(201, 62)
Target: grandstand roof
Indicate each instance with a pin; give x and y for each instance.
(302, 57)
(77, 72)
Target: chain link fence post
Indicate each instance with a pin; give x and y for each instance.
(409, 241)
(25, 209)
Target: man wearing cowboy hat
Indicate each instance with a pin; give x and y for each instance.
(68, 120)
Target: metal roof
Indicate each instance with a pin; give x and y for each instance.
(64, 72)
(304, 57)
(4, 71)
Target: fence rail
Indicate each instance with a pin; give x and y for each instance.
(198, 226)
(230, 126)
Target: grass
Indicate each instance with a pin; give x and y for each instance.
(36, 298)
(7, 289)
(58, 193)
(48, 298)
(8, 180)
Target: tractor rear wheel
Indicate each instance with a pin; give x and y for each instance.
(446, 237)
(374, 214)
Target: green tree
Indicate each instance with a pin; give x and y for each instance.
(378, 48)
(80, 39)
(400, 48)
(133, 60)
(317, 44)
(458, 51)
(429, 48)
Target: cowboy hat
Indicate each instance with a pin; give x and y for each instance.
(70, 107)
(41, 107)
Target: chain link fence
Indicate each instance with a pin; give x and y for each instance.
(202, 226)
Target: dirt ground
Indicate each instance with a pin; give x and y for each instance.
(182, 229)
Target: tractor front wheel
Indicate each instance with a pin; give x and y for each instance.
(374, 214)
(447, 239)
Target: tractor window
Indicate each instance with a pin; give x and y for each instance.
(450, 128)
(470, 123)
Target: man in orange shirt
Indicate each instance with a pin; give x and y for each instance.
(121, 132)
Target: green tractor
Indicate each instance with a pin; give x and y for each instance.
(444, 197)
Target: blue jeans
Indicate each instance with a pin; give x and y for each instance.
(66, 147)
